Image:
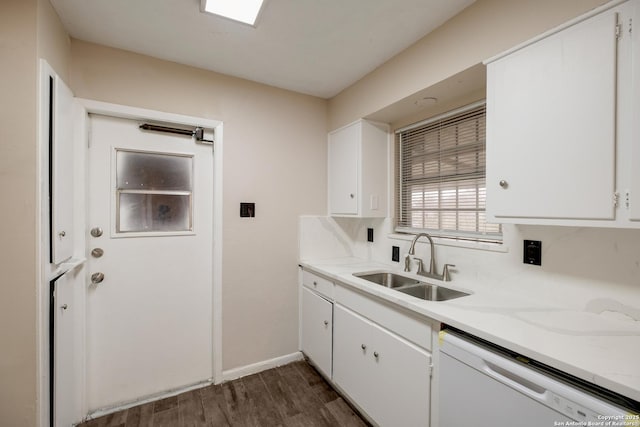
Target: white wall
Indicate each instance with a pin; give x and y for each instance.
(580, 266)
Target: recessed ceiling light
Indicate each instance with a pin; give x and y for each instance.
(245, 11)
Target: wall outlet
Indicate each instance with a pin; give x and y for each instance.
(369, 234)
(395, 253)
(532, 252)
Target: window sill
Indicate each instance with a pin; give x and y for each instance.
(466, 244)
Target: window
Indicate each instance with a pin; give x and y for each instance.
(153, 192)
(441, 176)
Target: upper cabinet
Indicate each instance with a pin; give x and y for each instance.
(358, 170)
(62, 170)
(57, 136)
(632, 196)
(559, 125)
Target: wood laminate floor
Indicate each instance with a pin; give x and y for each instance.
(290, 395)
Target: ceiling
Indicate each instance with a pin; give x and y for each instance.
(316, 47)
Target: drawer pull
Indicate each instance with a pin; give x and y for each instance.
(362, 346)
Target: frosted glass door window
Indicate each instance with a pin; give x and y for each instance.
(154, 192)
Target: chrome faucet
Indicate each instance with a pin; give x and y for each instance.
(432, 273)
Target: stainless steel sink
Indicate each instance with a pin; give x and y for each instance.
(388, 279)
(411, 286)
(431, 292)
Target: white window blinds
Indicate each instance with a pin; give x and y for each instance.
(441, 176)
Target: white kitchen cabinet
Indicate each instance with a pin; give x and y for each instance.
(62, 169)
(67, 389)
(385, 375)
(317, 330)
(631, 194)
(318, 284)
(554, 124)
(358, 170)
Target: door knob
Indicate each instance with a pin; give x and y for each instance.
(97, 278)
(96, 231)
(97, 252)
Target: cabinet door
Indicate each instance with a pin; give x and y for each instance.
(352, 354)
(551, 125)
(344, 151)
(402, 372)
(634, 186)
(62, 168)
(317, 328)
(388, 377)
(65, 353)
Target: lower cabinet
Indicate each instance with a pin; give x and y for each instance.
(385, 375)
(317, 327)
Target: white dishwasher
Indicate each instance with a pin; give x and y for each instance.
(485, 386)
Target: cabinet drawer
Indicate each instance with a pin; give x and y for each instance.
(409, 326)
(317, 283)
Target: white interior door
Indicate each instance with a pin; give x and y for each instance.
(149, 319)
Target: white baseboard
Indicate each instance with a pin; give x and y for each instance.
(243, 371)
(121, 407)
(228, 375)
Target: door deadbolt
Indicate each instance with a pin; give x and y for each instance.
(97, 252)
(97, 278)
(96, 232)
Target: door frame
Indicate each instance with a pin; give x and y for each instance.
(122, 111)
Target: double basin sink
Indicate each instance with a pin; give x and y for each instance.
(411, 286)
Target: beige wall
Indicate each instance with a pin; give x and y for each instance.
(29, 29)
(54, 43)
(481, 31)
(18, 218)
(274, 155)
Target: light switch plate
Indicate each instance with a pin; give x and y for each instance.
(247, 210)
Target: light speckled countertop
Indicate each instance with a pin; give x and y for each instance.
(599, 344)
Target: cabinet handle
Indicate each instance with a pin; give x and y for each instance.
(352, 195)
(315, 283)
(64, 306)
(62, 233)
(362, 346)
(375, 354)
(326, 323)
(503, 183)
